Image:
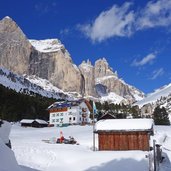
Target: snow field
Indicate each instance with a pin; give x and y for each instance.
(32, 152)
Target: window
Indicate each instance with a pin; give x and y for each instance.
(53, 115)
(61, 114)
(73, 118)
(70, 118)
(61, 119)
(53, 120)
(80, 118)
(57, 114)
(57, 120)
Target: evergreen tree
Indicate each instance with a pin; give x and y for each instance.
(160, 116)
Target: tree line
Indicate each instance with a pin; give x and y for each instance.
(121, 111)
(16, 106)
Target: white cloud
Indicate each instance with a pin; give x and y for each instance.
(121, 21)
(155, 14)
(157, 73)
(116, 21)
(147, 59)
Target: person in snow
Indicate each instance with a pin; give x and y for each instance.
(61, 137)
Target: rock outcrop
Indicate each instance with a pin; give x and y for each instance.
(15, 49)
(46, 59)
(87, 71)
(101, 80)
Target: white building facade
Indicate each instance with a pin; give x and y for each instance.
(69, 113)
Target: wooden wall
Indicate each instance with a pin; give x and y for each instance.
(124, 141)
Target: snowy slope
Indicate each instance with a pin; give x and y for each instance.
(113, 97)
(24, 85)
(156, 95)
(48, 45)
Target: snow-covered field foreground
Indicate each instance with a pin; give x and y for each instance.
(32, 152)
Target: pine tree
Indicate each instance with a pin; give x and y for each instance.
(160, 116)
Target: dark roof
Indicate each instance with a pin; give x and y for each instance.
(63, 104)
(107, 116)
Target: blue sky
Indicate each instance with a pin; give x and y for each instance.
(134, 36)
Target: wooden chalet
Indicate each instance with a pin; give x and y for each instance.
(124, 134)
(37, 123)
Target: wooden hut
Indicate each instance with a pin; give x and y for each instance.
(124, 134)
(26, 122)
(37, 123)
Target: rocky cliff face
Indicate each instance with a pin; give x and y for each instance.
(47, 59)
(57, 67)
(87, 71)
(101, 80)
(15, 49)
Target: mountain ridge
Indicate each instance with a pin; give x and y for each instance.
(50, 60)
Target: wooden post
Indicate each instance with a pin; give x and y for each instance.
(93, 132)
(154, 154)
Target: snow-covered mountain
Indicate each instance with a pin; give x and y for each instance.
(160, 97)
(49, 59)
(29, 85)
(156, 95)
(48, 45)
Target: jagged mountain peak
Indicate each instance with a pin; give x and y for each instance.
(7, 24)
(9, 19)
(103, 82)
(49, 59)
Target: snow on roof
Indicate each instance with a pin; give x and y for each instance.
(123, 124)
(32, 120)
(41, 121)
(26, 121)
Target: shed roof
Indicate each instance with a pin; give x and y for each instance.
(26, 121)
(124, 125)
(29, 121)
(41, 121)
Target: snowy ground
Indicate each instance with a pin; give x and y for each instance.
(32, 152)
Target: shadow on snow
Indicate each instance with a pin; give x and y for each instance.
(121, 165)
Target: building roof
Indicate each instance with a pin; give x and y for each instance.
(124, 125)
(41, 121)
(27, 121)
(107, 116)
(64, 104)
